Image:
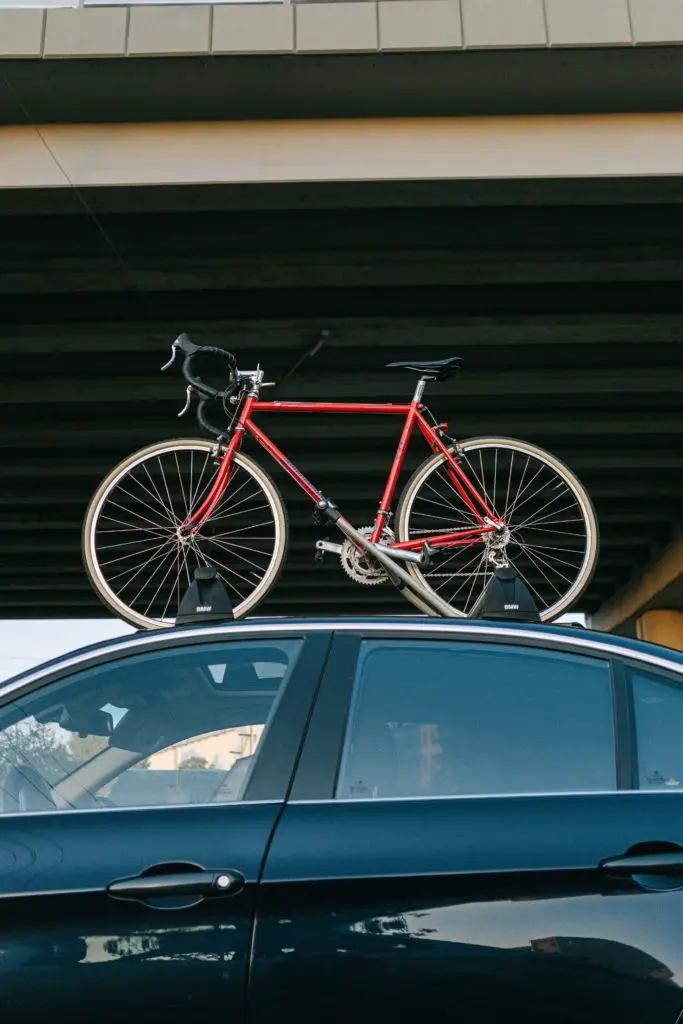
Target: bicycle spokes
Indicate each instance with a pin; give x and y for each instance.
(147, 559)
(544, 535)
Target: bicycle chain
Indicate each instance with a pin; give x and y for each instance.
(357, 565)
(443, 575)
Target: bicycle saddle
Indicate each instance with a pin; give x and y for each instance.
(434, 369)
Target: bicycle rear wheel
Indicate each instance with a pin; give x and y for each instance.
(134, 555)
(553, 531)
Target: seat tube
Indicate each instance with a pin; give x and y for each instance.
(387, 497)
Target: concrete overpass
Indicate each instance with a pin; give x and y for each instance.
(568, 314)
(543, 246)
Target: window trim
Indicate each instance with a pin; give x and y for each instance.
(627, 667)
(318, 770)
(57, 667)
(118, 650)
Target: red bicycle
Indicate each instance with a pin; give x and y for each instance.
(473, 506)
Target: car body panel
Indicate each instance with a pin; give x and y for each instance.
(71, 950)
(477, 908)
(469, 905)
(62, 937)
(372, 907)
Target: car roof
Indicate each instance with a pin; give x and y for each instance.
(495, 629)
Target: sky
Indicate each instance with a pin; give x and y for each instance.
(28, 642)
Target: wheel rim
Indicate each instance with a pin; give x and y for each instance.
(552, 536)
(139, 560)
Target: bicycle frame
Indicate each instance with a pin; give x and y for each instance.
(487, 521)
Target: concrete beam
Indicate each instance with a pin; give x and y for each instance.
(375, 149)
(354, 333)
(485, 383)
(627, 603)
(429, 80)
(395, 267)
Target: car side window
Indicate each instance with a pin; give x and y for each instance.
(658, 707)
(439, 718)
(182, 725)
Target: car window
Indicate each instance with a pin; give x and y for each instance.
(433, 718)
(658, 705)
(181, 725)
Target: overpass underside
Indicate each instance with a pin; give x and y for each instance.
(564, 297)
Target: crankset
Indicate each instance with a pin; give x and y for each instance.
(361, 563)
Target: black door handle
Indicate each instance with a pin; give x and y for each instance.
(196, 884)
(670, 864)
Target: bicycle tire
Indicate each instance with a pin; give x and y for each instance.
(583, 500)
(123, 470)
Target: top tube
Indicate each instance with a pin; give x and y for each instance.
(343, 407)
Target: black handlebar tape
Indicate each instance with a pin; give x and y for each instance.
(203, 422)
(186, 346)
(203, 350)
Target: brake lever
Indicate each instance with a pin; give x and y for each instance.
(174, 352)
(188, 400)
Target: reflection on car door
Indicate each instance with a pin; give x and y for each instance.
(169, 942)
(441, 854)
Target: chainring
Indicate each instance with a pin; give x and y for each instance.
(359, 565)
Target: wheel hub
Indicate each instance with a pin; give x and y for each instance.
(496, 544)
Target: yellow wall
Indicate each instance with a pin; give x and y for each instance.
(662, 627)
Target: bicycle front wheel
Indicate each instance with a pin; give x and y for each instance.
(135, 556)
(552, 537)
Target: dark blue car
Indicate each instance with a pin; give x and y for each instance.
(344, 821)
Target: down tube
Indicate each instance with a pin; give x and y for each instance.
(283, 461)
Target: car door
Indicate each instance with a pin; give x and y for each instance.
(139, 792)
(458, 838)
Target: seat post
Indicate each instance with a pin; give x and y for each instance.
(419, 389)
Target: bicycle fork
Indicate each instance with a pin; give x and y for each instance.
(212, 500)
